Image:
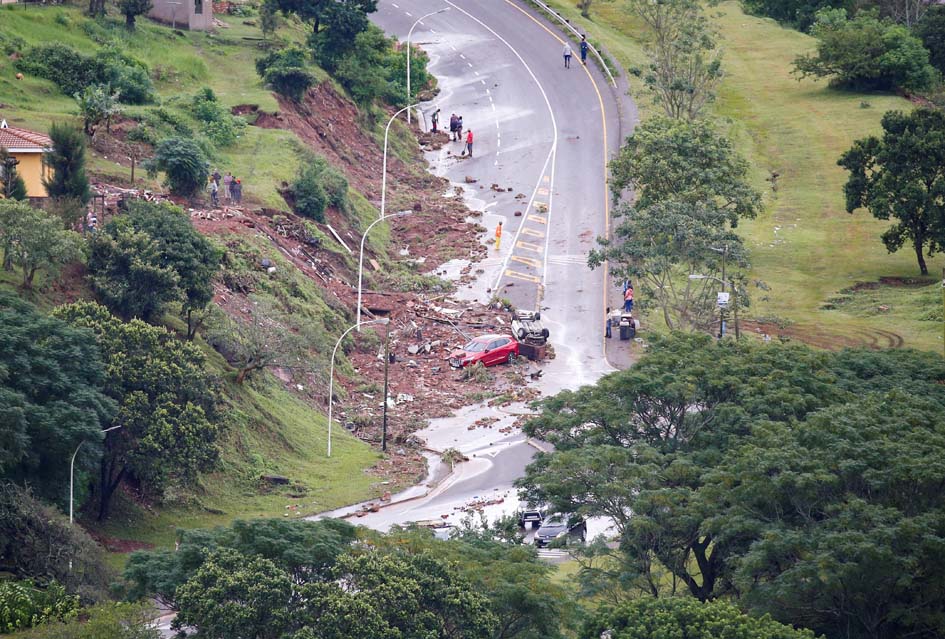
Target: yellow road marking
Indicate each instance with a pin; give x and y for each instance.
(537, 218)
(528, 246)
(542, 191)
(522, 276)
(527, 261)
(533, 233)
(545, 179)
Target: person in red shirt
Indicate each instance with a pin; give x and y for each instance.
(469, 142)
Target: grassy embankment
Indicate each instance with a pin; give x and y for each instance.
(805, 246)
(271, 431)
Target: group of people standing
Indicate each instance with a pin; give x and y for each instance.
(232, 188)
(567, 52)
(456, 130)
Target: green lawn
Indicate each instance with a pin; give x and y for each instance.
(805, 246)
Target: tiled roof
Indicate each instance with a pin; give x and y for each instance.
(22, 139)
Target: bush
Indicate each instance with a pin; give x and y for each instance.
(72, 71)
(183, 163)
(798, 13)
(107, 621)
(23, 605)
(310, 196)
(284, 72)
(931, 30)
(374, 69)
(10, 44)
(219, 126)
(336, 188)
(867, 53)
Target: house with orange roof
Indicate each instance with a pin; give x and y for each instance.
(27, 147)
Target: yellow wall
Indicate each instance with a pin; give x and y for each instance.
(30, 169)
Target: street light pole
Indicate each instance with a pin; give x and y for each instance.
(409, 35)
(386, 377)
(72, 473)
(361, 259)
(331, 371)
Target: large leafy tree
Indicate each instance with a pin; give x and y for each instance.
(800, 13)
(846, 516)
(305, 550)
(182, 248)
(183, 163)
(680, 617)
(685, 65)
(343, 20)
(931, 30)
(902, 176)
(35, 240)
(167, 412)
(691, 190)
(51, 398)
(866, 53)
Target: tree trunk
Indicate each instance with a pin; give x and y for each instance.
(130, 21)
(108, 489)
(28, 275)
(919, 256)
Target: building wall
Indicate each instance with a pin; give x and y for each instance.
(183, 14)
(31, 170)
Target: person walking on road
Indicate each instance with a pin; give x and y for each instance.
(608, 325)
(567, 55)
(459, 129)
(469, 143)
(584, 47)
(498, 235)
(435, 119)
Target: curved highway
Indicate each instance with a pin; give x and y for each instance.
(542, 137)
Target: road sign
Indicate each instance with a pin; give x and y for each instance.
(723, 300)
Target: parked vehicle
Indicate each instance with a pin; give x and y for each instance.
(557, 527)
(487, 350)
(530, 516)
(527, 326)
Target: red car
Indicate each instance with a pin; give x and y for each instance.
(487, 349)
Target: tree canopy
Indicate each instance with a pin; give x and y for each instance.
(51, 398)
(167, 403)
(902, 176)
(739, 469)
(34, 240)
(66, 162)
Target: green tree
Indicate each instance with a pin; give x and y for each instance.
(866, 53)
(845, 517)
(12, 186)
(902, 176)
(799, 13)
(180, 247)
(66, 162)
(23, 605)
(931, 30)
(692, 188)
(306, 550)
(51, 398)
(167, 403)
(35, 240)
(682, 617)
(685, 65)
(235, 596)
(184, 165)
(97, 106)
(308, 193)
(104, 621)
(128, 274)
(131, 9)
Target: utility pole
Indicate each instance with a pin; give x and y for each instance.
(722, 308)
(943, 311)
(386, 377)
(735, 301)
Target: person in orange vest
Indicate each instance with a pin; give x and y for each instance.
(498, 235)
(469, 141)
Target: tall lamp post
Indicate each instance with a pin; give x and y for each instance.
(734, 298)
(361, 259)
(331, 373)
(410, 35)
(72, 473)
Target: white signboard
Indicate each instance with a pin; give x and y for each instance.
(723, 300)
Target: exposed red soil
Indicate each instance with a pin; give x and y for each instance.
(818, 337)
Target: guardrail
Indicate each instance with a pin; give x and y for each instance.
(571, 28)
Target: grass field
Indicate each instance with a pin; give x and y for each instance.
(805, 246)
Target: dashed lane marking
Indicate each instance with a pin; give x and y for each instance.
(527, 261)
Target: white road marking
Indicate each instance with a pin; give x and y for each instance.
(551, 153)
(396, 6)
(408, 14)
(493, 106)
(483, 82)
(476, 72)
(462, 56)
(469, 64)
(489, 206)
(452, 47)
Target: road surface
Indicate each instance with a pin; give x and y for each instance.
(542, 137)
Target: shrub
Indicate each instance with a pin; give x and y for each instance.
(106, 621)
(336, 188)
(310, 196)
(23, 605)
(10, 44)
(866, 53)
(932, 32)
(219, 126)
(183, 163)
(284, 72)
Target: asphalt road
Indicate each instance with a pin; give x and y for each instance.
(542, 137)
